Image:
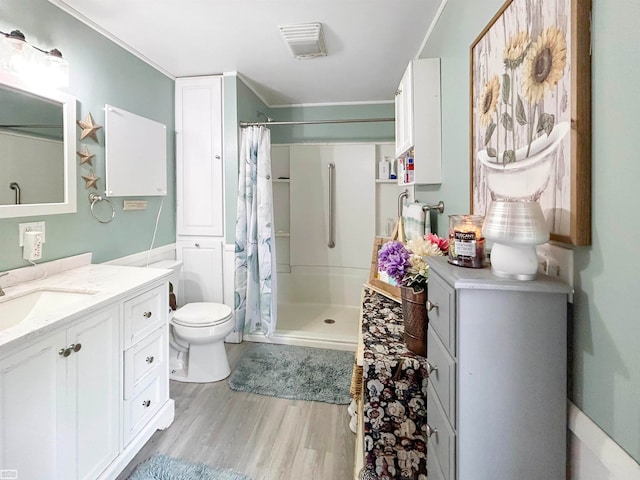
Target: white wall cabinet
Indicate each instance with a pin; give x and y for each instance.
(202, 270)
(62, 397)
(199, 162)
(64, 408)
(418, 121)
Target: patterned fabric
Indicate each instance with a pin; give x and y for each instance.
(254, 287)
(395, 390)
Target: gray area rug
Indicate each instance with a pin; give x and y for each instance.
(162, 467)
(298, 373)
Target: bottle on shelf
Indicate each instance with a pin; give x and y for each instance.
(383, 168)
(392, 172)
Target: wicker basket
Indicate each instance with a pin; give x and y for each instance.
(414, 315)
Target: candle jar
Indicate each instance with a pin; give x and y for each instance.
(466, 243)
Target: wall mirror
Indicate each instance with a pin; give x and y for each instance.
(37, 150)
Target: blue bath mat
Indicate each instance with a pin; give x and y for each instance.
(297, 373)
(162, 467)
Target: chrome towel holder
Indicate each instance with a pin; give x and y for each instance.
(95, 198)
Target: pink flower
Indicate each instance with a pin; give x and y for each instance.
(441, 243)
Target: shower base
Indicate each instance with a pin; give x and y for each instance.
(305, 324)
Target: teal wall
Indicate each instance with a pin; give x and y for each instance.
(340, 132)
(100, 72)
(606, 327)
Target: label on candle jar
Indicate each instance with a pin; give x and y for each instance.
(465, 243)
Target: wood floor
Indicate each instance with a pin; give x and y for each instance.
(266, 438)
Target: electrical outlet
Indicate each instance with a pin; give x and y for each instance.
(556, 261)
(30, 227)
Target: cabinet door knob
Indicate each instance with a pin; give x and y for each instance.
(431, 368)
(64, 352)
(197, 245)
(146, 403)
(430, 430)
(149, 359)
(75, 347)
(431, 306)
(218, 157)
(147, 314)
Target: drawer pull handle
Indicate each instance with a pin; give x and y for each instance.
(65, 352)
(76, 347)
(431, 368)
(147, 314)
(146, 403)
(431, 306)
(149, 360)
(430, 431)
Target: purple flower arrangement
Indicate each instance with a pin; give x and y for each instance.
(405, 263)
(393, 258)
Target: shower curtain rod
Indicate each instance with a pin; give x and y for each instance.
(314, 122)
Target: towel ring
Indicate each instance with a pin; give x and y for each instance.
(95, 198)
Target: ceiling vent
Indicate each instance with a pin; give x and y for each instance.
(305, 40)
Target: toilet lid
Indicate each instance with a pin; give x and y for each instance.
(202, 314)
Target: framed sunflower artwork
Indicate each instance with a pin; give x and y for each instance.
(531, 113)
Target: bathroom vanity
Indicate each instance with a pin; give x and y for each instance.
(83, 371)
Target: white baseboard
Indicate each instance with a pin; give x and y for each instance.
(594, 455)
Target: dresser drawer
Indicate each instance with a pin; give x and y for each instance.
(442, 315)
(443, 380)
(144, 358)
(146, 401)
(144, 313)
(443, 443)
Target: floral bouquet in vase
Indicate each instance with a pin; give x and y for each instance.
(405, 264)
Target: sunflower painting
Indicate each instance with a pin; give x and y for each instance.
(530, 113)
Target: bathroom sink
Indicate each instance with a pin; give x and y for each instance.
(14, 310)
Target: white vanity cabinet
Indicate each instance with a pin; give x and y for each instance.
(418, 121)
(199, 162)
(497, 393)
(78, 401)
(59, 399)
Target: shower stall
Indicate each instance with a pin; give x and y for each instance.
(327, 211)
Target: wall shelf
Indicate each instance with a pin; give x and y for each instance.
(281, 180)
(391, 180)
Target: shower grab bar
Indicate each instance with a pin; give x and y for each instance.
(16, 187)
(332, 242)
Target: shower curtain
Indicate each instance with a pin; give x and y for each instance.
(255, 296)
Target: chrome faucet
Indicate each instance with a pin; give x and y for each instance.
(2, 275)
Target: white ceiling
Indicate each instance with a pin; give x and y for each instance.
(368, 42)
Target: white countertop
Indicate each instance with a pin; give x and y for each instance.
(109, 282)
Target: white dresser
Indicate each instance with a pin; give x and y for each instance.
(497, 395)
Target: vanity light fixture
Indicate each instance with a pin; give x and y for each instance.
(31, 63)
(305, 40)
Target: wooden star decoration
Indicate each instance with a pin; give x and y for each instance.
(86, 156)
(91, 181)
(89, 128)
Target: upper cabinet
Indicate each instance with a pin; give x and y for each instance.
(418, 123)
(199, 167)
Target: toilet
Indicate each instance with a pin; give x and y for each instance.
(196, 337)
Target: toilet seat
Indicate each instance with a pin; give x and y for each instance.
(202, 314)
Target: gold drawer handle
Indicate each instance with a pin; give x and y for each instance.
(430, 431)
(146, 403)
(431, 369)
(431, 305)
(147, 314)
(149, 359)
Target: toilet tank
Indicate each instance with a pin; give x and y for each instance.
(174, 279)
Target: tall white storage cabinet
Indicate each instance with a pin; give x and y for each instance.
(200, 187)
